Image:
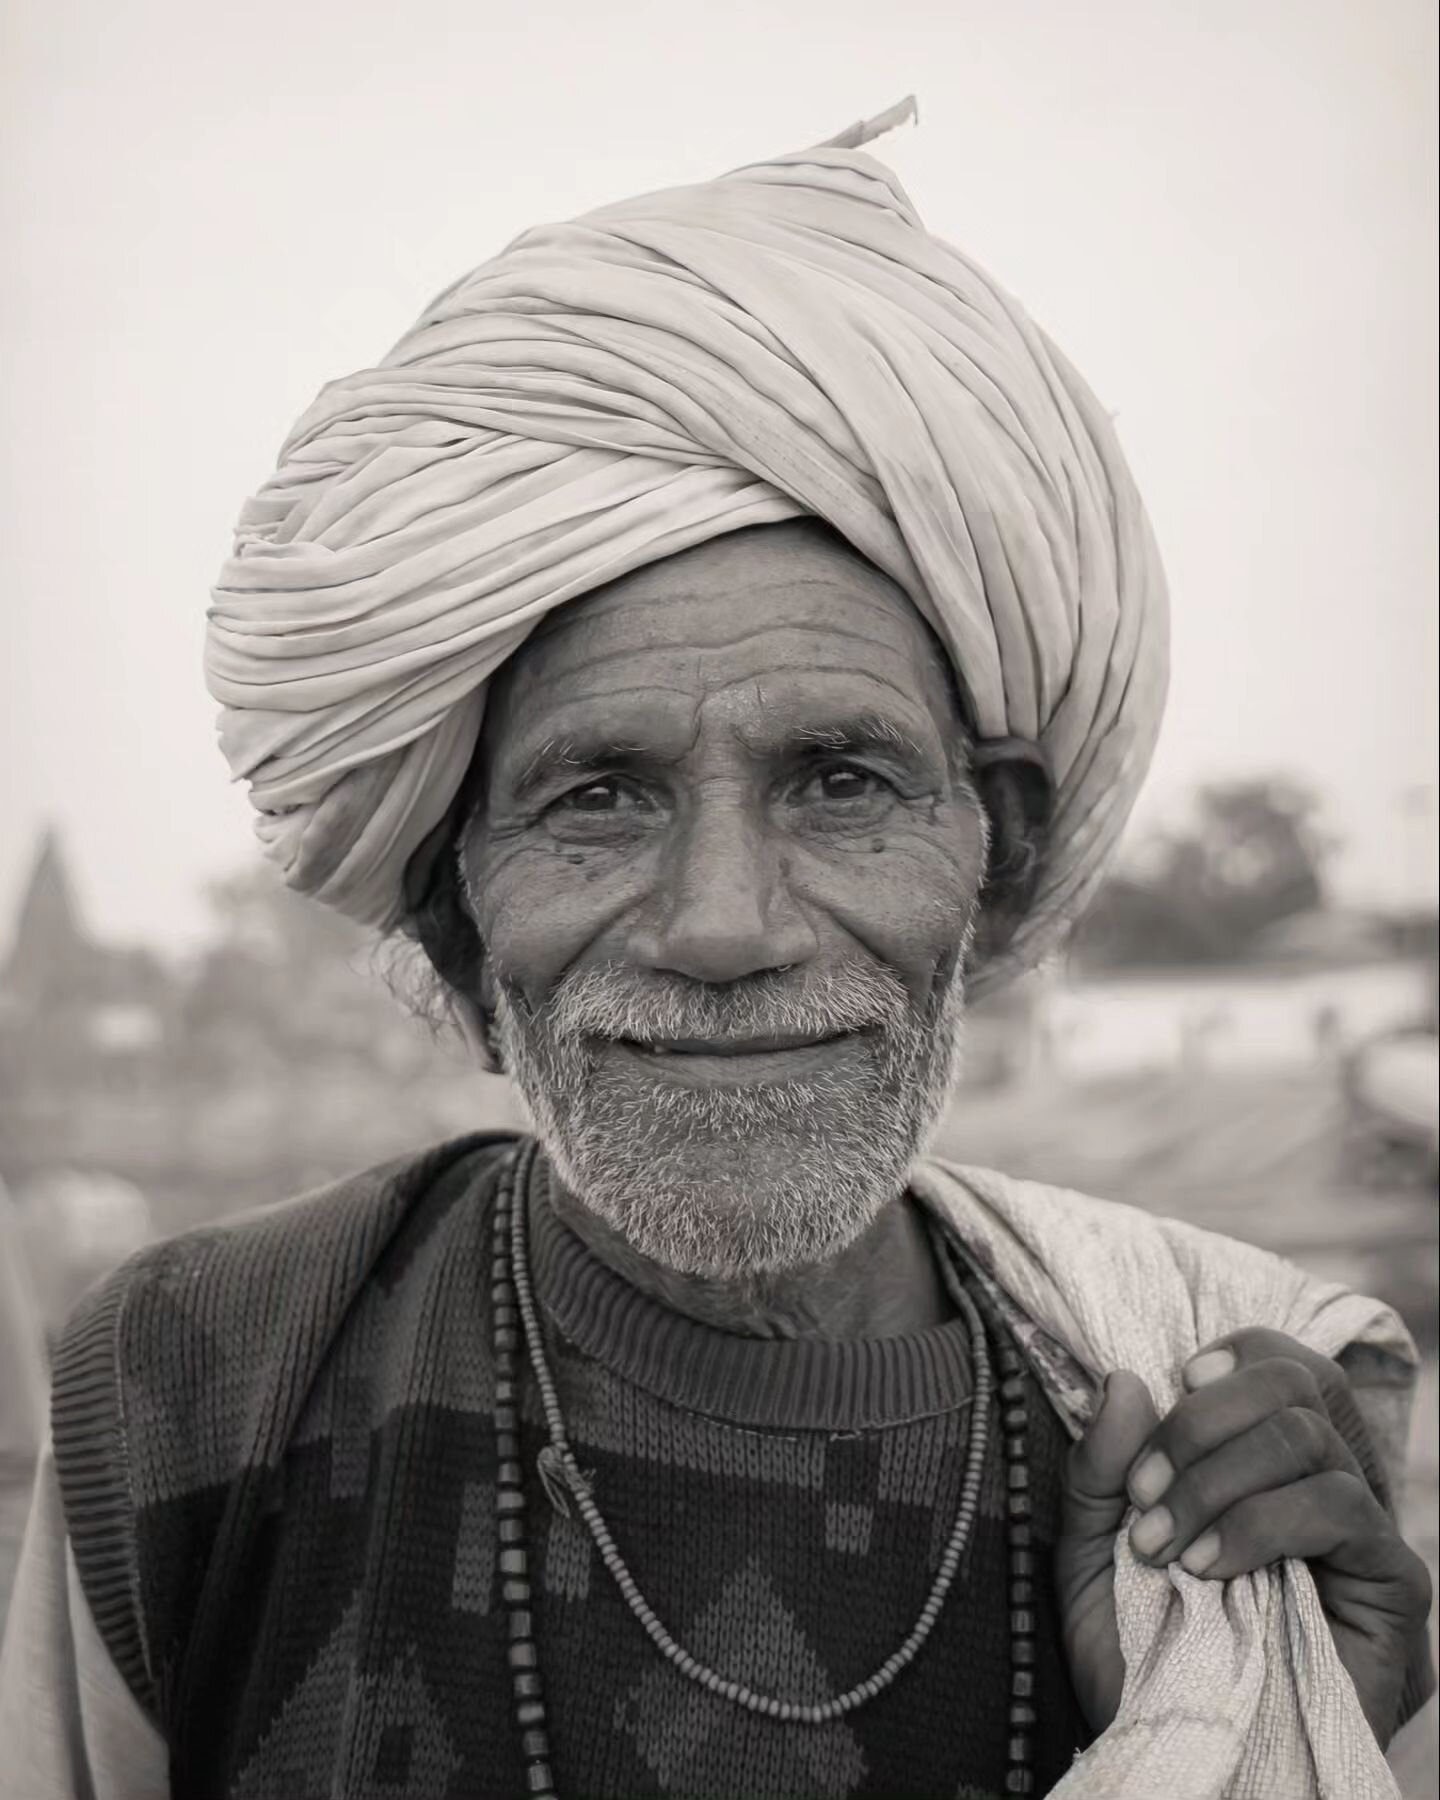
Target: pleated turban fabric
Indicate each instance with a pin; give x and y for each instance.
(785, 340)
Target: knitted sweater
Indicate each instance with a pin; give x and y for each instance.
(276, 1449)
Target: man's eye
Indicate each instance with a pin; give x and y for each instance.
(595, 797)
(606, 805)
(838, 783)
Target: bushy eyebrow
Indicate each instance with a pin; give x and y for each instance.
(574, 756)
(867, 731)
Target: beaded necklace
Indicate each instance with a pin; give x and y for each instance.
(515, 1317)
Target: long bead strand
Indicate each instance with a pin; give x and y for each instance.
(1022, 1714)
(674, 1653)
(516, 1316)
(512, 1552)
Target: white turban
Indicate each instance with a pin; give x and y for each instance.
(786, 340)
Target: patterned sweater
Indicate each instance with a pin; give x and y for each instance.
(276, 1450)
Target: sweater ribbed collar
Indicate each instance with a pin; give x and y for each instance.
(816, 1384)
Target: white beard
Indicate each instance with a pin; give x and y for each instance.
(729, 1182)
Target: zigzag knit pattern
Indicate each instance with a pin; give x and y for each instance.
(276, 1449)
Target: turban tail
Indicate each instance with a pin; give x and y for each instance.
(786, 340)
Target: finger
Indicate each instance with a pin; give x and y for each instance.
(1226, 1408)
(1095, 1496)
(1256, 1344)
(1285, 1447)
(1374, 1589)
(1331, 1519)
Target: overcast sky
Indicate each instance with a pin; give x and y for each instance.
(1223, 212)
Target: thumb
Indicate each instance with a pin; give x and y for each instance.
(1094, 1496)
(1093, 1504)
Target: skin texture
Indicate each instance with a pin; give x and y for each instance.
(708, 847)
(724, 846)
(885, 1284)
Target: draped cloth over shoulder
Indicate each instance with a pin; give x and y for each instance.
(1234, 1690)
(785, 340)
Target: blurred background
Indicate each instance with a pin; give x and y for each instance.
(1225, 215)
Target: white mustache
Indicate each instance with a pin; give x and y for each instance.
(612, 1002)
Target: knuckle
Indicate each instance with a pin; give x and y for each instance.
(1259, 1343)
(1198, 1496)
(1253, 1536)
(1179, 1436)
(1301, 1438)
(1409, 1579)
(1418, 1585)
(1292, 1383)
(1343, 1498)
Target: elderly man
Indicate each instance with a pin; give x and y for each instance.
(724, 635)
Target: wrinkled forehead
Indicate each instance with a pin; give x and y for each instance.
(768, 559)
(798, 589)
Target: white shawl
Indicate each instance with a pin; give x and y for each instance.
(1233, 1690)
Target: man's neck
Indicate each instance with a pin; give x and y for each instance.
(885, 1284)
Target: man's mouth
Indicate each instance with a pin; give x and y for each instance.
(722, 1061)
(730, 1046)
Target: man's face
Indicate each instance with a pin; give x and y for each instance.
(725, 863)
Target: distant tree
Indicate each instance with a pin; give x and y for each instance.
(1253, 856)
(257, 914)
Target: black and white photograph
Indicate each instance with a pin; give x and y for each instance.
(719, 972)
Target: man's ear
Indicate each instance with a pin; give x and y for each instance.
(441, 920)
(448, 935)
(1014, 784)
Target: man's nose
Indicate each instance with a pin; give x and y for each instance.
(723, 909)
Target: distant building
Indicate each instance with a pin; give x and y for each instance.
(66, 995)
(270, 1062)
(51, 954)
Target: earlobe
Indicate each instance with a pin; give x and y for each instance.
(488, 990)
(474, 1025)
(488, 996)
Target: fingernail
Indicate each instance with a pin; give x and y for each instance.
(1198, 1558)
(1152, 1531)
(1152, 1476)
(1212, 1366)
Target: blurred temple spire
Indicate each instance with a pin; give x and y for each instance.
(64, 992)
(50, 945)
